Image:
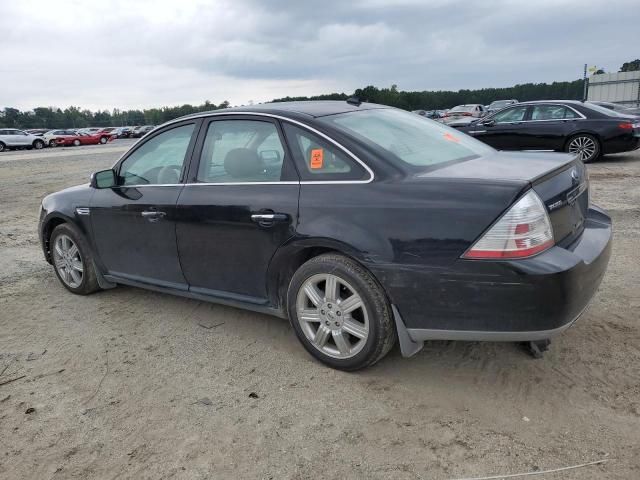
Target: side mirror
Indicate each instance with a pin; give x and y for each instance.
(489, 122)
(103, 179)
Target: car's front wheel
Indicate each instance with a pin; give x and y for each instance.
(103, 140)
(38, 144)
(585, 146)
(76, 143)
(3, 147)
(340, 313)
(72, 260)
(52, 143)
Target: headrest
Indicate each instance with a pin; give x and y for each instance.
(243, 163)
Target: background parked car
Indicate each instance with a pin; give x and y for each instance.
(616, 107)
(84, 139)
(38, 132)
(139, 132)
(500, 104)
(471, 110)
(433, 114)
(14, 138)
(585, 129)
(51, 136)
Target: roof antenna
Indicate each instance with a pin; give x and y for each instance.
(354, 101)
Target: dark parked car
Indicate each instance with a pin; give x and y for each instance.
(139, 132)
(616, 107)
(559, 125)
(362, 224)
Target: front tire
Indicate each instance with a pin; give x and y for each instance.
(38, 144)
(586, 146)
(340, 313)
(3, 147)
(52, 143)
(76, 143)
(72, 260)
(103, 140)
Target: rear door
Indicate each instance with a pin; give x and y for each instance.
(239, 206)
(549, 125)
(503, 130)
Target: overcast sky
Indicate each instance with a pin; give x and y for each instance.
(138, 53)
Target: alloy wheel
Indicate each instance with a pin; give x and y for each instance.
(585, 147)
(67, 261)
(332, 315)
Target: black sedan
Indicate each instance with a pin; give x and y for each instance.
(360, 223)
(558, 125)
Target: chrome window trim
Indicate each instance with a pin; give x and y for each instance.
(269, 115)
(580, 115)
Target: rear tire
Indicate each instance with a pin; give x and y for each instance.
(72, 260)
(340, 313)
(586, 146)
(3, 147)
(76, 143)
(103, 140)
(38, 144)
(52, 143)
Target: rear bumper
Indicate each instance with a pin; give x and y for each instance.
(515, 300)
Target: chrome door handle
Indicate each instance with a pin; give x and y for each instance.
(153, 215)
(268, 219)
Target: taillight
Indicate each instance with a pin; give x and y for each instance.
(625, 126)
(525, 230)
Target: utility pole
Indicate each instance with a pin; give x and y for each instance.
(585, 82)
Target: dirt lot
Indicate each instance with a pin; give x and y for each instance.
(129, 384)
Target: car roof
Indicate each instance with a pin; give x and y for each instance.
(565, 102)
(312, 108)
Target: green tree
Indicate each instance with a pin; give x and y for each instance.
(632, 66)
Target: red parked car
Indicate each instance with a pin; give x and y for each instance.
(85, 139)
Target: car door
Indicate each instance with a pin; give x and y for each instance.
(134, 223)
(502, 130)
(22, 138)
(549, 125)
(239, 206)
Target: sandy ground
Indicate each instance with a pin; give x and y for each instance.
(129, 384)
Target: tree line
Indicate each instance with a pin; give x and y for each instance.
(74, 117)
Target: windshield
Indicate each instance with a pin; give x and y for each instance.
(500, 103)
(462, 108)
(410, 138)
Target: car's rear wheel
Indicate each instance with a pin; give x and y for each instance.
(52, 143)
(72, 260)
(585, 146)
(3, 147)
(340, 313)
(38, 144)
(76, 143)
(103, 140)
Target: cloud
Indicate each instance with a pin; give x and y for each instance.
(149, 53)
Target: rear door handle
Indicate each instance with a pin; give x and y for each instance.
(153, 215)
(268, 219)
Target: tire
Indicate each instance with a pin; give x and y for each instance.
(585, 145)
(65, 260)
(351, 338)
(103, 140)
(76, 143)
(3, 147)
(38, 144)
(52, 143)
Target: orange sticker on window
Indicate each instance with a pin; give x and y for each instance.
(315, 162)
(451, 138)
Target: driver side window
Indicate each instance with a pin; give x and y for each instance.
(159, 160)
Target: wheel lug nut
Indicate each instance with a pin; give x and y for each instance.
(322, 312)
(329, 306)
(338, 313)
(327, 323)
(337, 324)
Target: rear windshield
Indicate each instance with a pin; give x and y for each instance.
(412, 139)
(608, 112)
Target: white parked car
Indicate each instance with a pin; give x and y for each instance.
(14, 138)
(474, 110)
(51, 135)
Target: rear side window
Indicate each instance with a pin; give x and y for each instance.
(318, 159)
(551, 112)
(241, 151)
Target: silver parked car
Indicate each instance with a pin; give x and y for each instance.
(14, 138)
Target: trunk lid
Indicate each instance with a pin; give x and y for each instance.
(560, 180)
